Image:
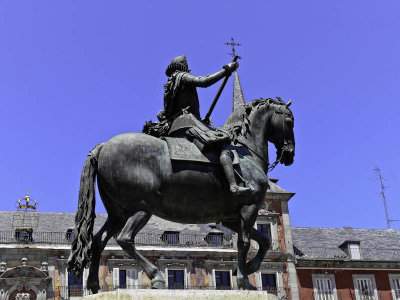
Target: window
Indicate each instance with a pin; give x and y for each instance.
(269, 229)
(70, 236)
(268, 282)
(395, 285)
(175, 279)
(122, 279)
(265, 229)
(125, 278)
(354, 250)
(365, 287)
(222, 280)
(324, 287)
(214, 239)
(75, 288)
(24, 235)
(170, 237)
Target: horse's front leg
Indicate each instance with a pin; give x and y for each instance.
(263, 245)
(248, 216)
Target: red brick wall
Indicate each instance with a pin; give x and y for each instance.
(344, 282)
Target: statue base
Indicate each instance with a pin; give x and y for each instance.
(143, 294)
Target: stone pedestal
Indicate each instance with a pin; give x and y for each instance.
(142, 294)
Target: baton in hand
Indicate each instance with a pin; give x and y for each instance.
(207, 117)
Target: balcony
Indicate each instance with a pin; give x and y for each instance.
(142, 239)
(381, 295)
(65, 292)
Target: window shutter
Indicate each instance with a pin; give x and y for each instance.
(115, 278)
(396, 287)
(84, 278)
(324, 289)
(64, 292)
(355, 251)
(364, 287)
(131, 278)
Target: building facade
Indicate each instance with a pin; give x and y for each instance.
(34, 248)
(346, 263)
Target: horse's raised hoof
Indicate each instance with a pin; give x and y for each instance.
(158, 284)
(158, 281)
(245, 284)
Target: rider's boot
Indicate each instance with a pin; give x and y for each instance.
(226, 162)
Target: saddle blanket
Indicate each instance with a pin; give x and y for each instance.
(182, 149)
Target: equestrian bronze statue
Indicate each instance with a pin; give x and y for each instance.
(183, 170)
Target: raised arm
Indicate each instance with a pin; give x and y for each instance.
(206, 81)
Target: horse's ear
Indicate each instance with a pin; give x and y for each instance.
(288, 104)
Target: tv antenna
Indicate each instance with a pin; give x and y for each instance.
(380, 178)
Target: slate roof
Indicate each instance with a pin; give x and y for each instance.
(324, 243)
(60, 222)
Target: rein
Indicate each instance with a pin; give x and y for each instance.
(274, 164)
(253, 151)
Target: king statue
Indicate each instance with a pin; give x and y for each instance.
(181, 115)
(177, 171)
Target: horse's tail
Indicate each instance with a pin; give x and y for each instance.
(85, 215)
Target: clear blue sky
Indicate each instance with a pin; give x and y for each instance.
(75, 73)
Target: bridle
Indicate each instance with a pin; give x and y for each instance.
(278, 159)
(282, 150)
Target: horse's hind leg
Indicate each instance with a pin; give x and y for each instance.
(126, 239)
(109, 229)
(248, 215)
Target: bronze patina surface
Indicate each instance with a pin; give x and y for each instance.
(137, 177)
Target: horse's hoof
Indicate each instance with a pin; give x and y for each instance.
(158, 284)
(250, 287)
(94, 288)
(245, 284)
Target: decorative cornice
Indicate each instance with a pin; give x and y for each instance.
(122, 262)
(276, 266)
(219, 264)
(174, 263)
(341, 264)
(268, 214)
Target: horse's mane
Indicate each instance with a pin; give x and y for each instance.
(239, 121)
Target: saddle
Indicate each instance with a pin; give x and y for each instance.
(184, 150)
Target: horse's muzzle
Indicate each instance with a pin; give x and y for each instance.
(287, 154)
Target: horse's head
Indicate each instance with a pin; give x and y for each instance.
(262, 120)
(281, 132)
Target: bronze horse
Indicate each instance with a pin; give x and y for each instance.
(136, 179)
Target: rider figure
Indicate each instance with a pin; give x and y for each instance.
(181, 110)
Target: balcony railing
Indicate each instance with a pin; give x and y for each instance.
(382, 295)
(66, 292)
(141, 239)
(338, 254)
